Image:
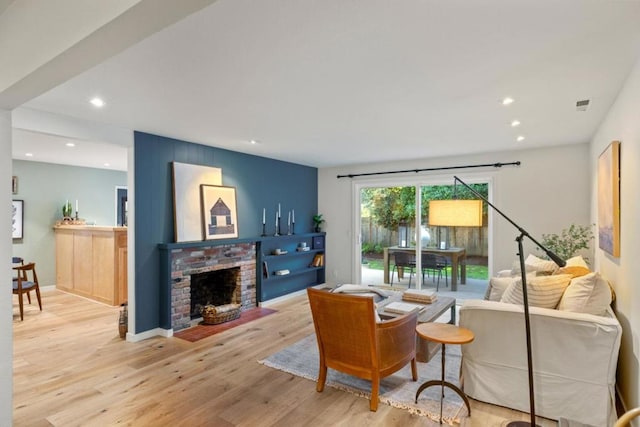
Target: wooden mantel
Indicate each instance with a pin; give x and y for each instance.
(92, 262)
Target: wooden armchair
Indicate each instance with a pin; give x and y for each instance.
(350, 340)
(23, 285)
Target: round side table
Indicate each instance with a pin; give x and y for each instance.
(444, 333)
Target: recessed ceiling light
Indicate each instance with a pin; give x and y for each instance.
(507, 101)
(253, 142)
(70, 144)
(107, 164)
(515, 123)
(97, 102)
(520, 138)
(28, 154)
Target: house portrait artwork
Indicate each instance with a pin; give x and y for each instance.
(219, 212)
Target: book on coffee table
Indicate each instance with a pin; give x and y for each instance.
(420, 295)
(402, 307)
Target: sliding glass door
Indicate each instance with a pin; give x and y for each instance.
(397, 245)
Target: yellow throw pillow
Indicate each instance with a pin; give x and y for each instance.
(574, 271)
(542, 291)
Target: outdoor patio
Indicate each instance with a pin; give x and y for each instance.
(473, 289)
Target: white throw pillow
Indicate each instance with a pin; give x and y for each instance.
(542, 291)
(577, 261)
(540, 265)
(587, 294)
(533, 263)
(497, 286)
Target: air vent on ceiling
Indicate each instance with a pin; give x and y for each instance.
(582, 105)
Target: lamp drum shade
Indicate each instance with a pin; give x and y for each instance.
(455, 213)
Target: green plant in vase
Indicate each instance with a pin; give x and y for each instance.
(317, 222)
(67, 210)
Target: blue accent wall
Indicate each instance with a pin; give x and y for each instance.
(260, 183)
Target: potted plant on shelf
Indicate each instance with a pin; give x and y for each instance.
(317, 222)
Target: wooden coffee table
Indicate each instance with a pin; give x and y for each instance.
(424, 349)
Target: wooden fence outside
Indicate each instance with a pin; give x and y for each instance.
(474, 239)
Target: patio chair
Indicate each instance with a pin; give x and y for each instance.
(403, 260)
(435, 264)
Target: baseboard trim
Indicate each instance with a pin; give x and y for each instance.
(287, 296)
(157, 332)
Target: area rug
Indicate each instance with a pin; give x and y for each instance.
(397, 390)
(200, 331)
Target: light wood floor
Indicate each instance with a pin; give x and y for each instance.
(72, 369)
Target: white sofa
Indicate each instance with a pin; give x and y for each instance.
(574, 360)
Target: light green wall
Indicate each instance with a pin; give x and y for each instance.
(45, 187)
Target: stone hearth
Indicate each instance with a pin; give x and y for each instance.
(188, 261)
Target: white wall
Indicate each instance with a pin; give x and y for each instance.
(623, 124)
(6, 298)
(548, 192)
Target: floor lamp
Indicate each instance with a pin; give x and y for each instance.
(527, 323)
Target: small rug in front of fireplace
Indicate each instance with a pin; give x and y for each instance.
(202, 331)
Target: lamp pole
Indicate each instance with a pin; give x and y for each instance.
(527, 322)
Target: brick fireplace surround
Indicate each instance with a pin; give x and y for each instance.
(200, 259)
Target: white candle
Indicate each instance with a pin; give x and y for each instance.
(76, 205)
(279, 211)
(289, 219)
(264, 212)
(293, 216)
(276, 219)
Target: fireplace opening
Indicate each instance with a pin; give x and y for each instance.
(213, 287)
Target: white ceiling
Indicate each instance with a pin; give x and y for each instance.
(334, 82)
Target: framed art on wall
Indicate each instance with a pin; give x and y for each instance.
(187, 179)
(609, 199)
(17, 219)
(219, 212)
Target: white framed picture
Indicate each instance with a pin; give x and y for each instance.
(17, 219)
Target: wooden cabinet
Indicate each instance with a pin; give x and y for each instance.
(92, 262)
(291, 263)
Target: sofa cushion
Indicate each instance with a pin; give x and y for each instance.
(542, 291)
(587, 294)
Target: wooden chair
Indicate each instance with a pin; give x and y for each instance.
(627, 417)
(24, 285)
(351, 341)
